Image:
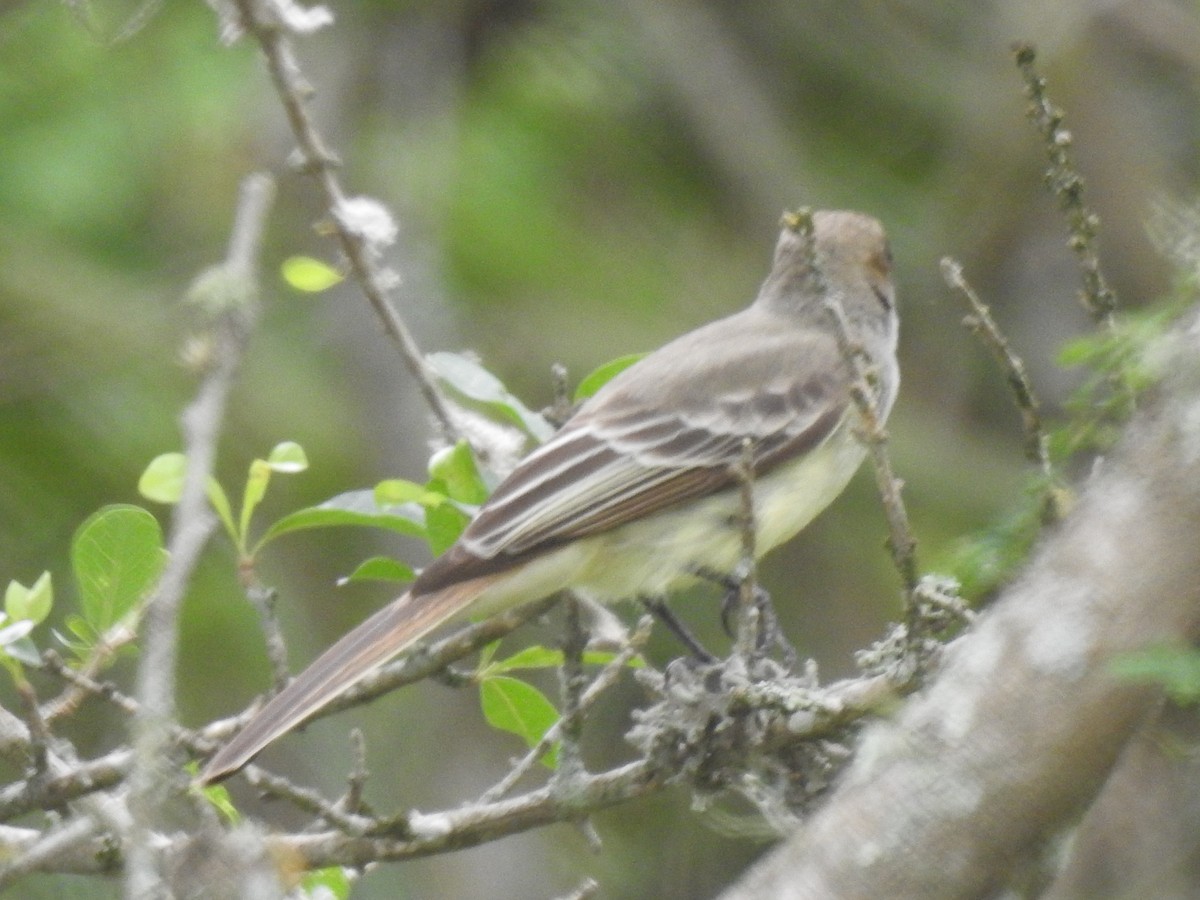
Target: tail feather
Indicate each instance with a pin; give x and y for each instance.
(389, 631)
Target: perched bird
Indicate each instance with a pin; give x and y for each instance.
(639, 491)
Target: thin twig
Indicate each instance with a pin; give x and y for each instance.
(361, 246)
(308, 800)
(863, 392)
(263, 599)
(562, 407)
(39, 732)
(749, 620)
(99, 656)
(45, 793)
(67, 847)
(871, 431)
(228, 292)
(984, 326)
(472, 825)
(84, 685)
(356, 781)
(573, 681)
(1065, 182)
(79, 786)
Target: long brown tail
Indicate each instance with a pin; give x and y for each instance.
(389, 631)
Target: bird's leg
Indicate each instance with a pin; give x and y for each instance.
(662, 612)
(769, 631)
(731, 599)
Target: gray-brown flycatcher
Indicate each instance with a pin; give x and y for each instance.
(639, 491)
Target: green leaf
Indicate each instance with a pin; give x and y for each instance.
(217, 795)
(539, 657)
(395, 491)
(334, 881)
(309, 275)
(351, 508)
(287, 458)
(220, 502)
(32, 603)
(1086, 350)
(469, 381)
(162, 482)
(602, 375)
(455, 468)
(257, 480)
(485, 655)
(117, 556)
(85, 637)
(380, 568)
(443, 525)
(518, 707)
(535, 657)
(1176, 669)
(162, 479)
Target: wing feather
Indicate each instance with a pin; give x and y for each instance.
(629, 454)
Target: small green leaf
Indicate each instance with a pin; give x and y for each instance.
(84, 637)
(220, 503)
(535, 657)
(117, 555)
(395, 491)
(471, 382)
(443, 525)
(455, 468)
(32, 603)
(309, 275)
(518, 707)
(1176, 669)
(351, 508)
(287, 458)
(539, 657)
(162, 480)
(327, 884)
(485, 655)
(217, 795)
(602, 375)
(380, 568)
(257, 480)
(1081, 351)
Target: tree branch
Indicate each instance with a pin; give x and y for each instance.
(228, 293)
(1026, 719)
(362, 226)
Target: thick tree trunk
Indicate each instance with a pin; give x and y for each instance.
(1020, 729)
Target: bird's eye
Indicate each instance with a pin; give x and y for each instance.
(880, 261)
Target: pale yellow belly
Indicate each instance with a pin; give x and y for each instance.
(660, 554)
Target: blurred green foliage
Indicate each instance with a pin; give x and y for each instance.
(575, 181)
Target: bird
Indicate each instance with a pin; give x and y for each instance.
(639, 492)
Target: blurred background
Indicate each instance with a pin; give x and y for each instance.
(573, 181)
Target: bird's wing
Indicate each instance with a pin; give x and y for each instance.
(654, 440)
